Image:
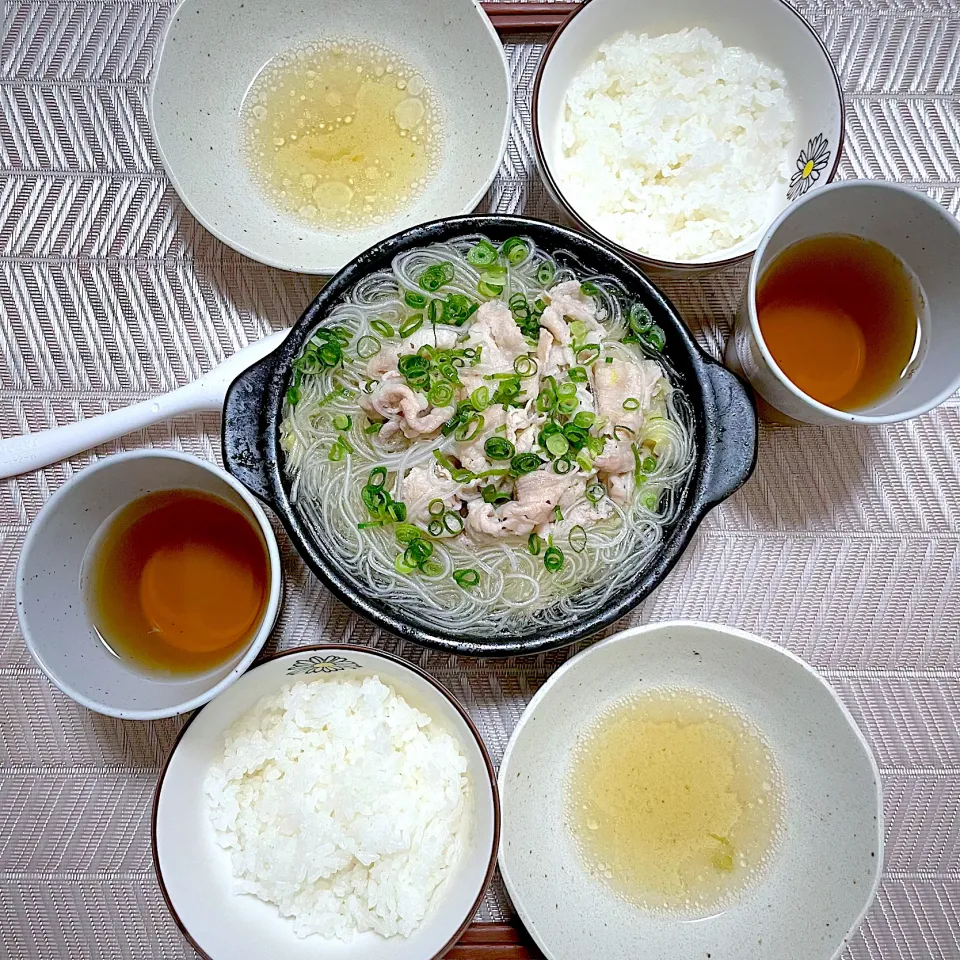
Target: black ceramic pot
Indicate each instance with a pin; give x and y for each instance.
(724, 419)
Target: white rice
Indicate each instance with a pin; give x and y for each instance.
(676, 146)
(341, 804)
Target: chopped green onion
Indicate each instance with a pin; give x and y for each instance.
(492, 495)
(546, 272)
(496, 472)
(525, 463)
(498, 448)
(508, 390)
(654, 338)
(534, 544)
(397, 511)
(339, 448)
(367, 347)
(525, 366)
(553, 559)
(562, 465)
(596, 492)
(435, 311)
(651, 501)
(458, 309)
(435, 528)
(458, 474)
(382, 327)
(417, 552)
(448, 371)
(585, 419)
(577, 538)
(515, 250)
(411, 325)
(558, 514)
(467, 579)
(588, 354)
(567, 389)
(480, 399)
(293, 396)
(369, 523)
(414, 367)
(401, 565)
(482, 254)
(416, 300)
(453, 522)
(375, 499)
(519, 306)
(431, 568)
(578, 330)
(436, 276)
(631, 403)
(620, 432)
(577, 374)
(639, 318)
(373, 427)
(557, 444)
(440, 394)
(342, 422)
(407, 533)
(568, 405)
(468, 431)
(377, 477)
(489, 290)
(436, 507)
(649, 464)
(589, 289)
(575, 436)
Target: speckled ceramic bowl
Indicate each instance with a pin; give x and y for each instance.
(215, 48)
(194, 871)
(821, 876)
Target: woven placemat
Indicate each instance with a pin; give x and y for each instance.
(845, 547)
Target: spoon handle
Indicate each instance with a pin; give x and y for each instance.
(31, 451)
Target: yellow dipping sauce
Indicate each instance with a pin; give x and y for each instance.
(340, 134)
(675, 801)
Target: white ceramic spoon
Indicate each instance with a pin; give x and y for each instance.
(31, 451)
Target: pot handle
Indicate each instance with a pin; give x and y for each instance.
(730, 452)
(245, 430)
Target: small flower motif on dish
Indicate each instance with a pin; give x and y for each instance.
(329, 664)
(810, 164)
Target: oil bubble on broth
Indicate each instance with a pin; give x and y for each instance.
(341, 134)
(675, 802)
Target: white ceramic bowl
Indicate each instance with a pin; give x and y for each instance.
(50, 601)
(771, 29)
(194, 871)
(215, 48)
(823, 873)
(925, 236)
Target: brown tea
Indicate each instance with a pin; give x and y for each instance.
(177, 582)
(842, 317)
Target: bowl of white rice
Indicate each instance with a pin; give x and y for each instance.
(336, 801)
(678, 132)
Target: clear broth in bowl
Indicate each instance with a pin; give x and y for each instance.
(842, 317)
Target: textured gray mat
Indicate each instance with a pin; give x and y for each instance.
(845, 547)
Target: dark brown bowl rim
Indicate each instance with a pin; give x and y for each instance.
(358, 648)
(643, 259)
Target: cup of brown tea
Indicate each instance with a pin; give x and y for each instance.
(147, 584)
(852, 308)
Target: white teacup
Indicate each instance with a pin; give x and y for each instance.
(925, 236)
(52, 606)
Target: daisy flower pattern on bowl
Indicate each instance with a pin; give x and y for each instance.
(810, 164)
(331, 664)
